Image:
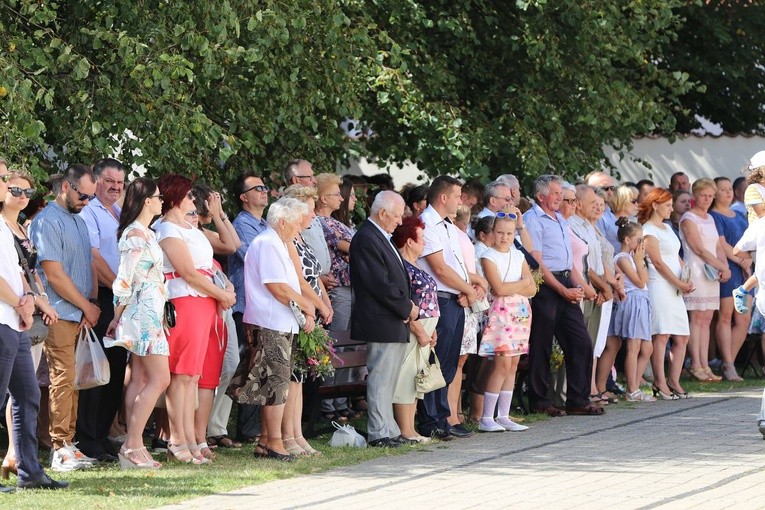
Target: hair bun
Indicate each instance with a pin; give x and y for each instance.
(623, 221)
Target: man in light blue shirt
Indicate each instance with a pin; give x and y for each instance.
(555, 309)
(99, 405)
(64, 263)
(249, 223)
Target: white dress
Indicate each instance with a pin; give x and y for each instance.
(670, 316)
(706, 295)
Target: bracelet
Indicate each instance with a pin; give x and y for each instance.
(44, 296)
(30, 293)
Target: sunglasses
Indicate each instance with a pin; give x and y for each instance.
(608, 188)
(634, 201)
(17, 192)
(81, 196)
(259, 187)
(192, 213)
(508, 215)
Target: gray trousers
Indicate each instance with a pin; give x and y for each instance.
(384, 362)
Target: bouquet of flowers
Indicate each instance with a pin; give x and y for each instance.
(556, 356)
(315, 351)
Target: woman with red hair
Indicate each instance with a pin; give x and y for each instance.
(188, 268)
(666, 290)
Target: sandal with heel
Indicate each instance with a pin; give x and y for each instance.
(130, 462)
(181, 453)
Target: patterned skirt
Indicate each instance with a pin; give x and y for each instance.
(507, 332)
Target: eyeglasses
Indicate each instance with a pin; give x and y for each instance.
(81, 196)
(259, 187)
(192, 213)
(334, 195)
(570, 201)
(17, 192)
(5, 177)
(508, 215)
(161, 197)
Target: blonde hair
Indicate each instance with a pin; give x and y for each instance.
(301, 192)
(702, 184)
(325, 181)
(463, 213)
(623, 195)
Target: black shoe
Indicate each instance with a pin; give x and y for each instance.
(384, 442)
(460, 431)
(106, 458)
(158, 445)
(44, 482)
(7, 489)
(441, 434)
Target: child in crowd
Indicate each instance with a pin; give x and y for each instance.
(631, 319)
(506, 336)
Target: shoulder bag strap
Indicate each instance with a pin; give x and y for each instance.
(25, 265)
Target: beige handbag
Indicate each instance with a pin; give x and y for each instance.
(429, 378)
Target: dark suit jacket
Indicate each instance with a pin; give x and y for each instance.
(381, 288)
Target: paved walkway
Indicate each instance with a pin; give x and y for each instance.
(704, 452)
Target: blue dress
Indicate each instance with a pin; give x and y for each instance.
(632, 317)
(731, 228)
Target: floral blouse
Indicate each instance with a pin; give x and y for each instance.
(334, 232)
(424, 291)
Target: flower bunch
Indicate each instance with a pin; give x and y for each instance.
(556, 356)
(315, 352)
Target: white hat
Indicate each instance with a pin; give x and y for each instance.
(757, 160)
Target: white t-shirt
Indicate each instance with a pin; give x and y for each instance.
(268, 261)
(440, 235)
(10, 271)
(509, 265)
(201, 254)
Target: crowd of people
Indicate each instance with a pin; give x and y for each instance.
(196, 312)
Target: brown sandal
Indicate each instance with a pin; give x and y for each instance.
(588, 410)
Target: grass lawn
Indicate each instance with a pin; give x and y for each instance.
(112, 488)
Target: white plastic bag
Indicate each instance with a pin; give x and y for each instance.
(91, 365)
(346, 435)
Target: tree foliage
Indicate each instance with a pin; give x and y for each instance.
(474, 87)
(722, 45)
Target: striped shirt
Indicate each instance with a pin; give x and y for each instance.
(61, 236)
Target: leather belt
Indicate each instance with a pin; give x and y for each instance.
(561, 274)
(446, 295)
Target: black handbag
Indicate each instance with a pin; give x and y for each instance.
(169, 314)
(39, 330)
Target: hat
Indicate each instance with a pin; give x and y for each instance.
(757, 160)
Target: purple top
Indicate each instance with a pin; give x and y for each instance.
(424, 291)
(334, 232)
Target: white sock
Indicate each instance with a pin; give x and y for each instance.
(505, 401)
(489, 403)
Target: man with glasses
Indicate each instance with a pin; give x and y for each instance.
(299, 171)
(607, 223)
(499, 196)
(98, 406)
(64, 261)
(249, 223)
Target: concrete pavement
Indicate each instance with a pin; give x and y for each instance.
(704, 452)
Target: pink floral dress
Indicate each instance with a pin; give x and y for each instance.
(509, 326)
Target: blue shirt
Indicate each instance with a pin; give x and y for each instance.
(102, 230)
(63, 237)
(550, 237)
(607, 226)
(248, 227)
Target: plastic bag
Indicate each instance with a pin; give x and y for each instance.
(91, 365)
(346, 435)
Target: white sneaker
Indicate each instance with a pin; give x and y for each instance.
(489, 425)
(510, 425)
(81, 457)
(63, 460)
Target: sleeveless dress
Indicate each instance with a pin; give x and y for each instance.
(632, 317)
(140, 286)
(670, 317)
(507, 332)
(706, 296)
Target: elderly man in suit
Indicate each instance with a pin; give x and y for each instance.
(381, 312)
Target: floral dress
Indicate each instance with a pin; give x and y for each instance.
(140, 287)
(507, 332)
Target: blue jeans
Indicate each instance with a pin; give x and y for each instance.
(433, 409)
(17, 375)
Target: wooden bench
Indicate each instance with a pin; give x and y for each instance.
(316, 391)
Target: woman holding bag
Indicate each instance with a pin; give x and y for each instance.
(506, 336)
(139, 302)
(409, 239)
